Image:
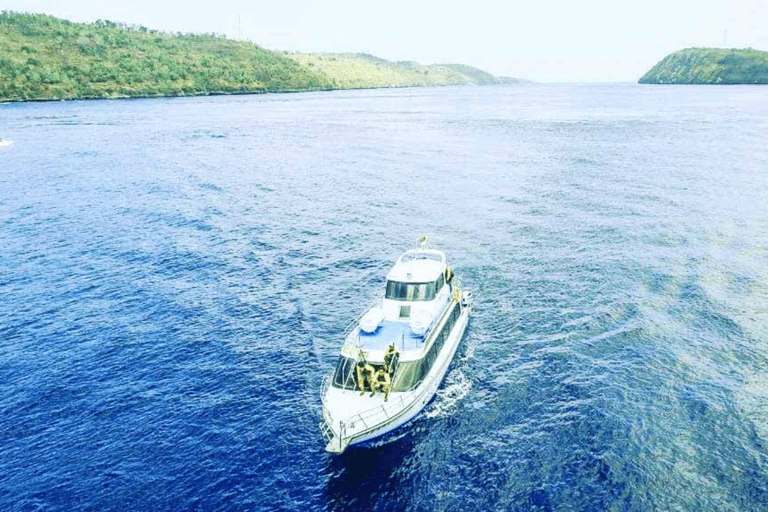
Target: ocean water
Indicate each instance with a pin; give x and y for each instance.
(176, 274)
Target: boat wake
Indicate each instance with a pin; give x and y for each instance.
(457, 386)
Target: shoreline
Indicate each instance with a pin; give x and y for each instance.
(236, 93)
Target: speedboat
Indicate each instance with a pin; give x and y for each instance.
(396, 354)
(5, 142)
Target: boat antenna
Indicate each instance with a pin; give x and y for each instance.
(422, 242)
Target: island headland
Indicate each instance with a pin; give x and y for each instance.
(710, 66)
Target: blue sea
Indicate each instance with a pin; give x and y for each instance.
(176, 275)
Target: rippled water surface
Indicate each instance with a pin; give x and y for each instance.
(176, 273)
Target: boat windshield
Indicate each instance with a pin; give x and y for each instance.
(343, 377)
(397, 290)
(407, 376)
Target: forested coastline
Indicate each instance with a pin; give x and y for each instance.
(47, 58)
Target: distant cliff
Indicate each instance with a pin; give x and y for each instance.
(710, 66)
(46, 58)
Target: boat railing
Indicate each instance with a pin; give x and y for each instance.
(362, 420)
(325, 385)
(376, 415)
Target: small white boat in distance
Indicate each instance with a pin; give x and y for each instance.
(396, 354)
(5, 142)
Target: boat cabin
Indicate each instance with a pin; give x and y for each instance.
(417, 302)
(414, 283)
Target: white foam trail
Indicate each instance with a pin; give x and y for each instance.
(457, 385)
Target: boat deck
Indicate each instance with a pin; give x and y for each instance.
(390, 332)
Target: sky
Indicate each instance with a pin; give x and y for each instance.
(539, 40)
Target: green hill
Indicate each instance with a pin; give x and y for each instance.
(46, 58)
(710, 66)
(42, 57)
(360, 70)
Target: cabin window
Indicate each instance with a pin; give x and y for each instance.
(344, 376)
(439, 339)
(408, 375)
(431, 356)
(397, 290)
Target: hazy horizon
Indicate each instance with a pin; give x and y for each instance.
(593, 41)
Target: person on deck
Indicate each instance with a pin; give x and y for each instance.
(364, 373)
(389, 359)
(381, 382)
